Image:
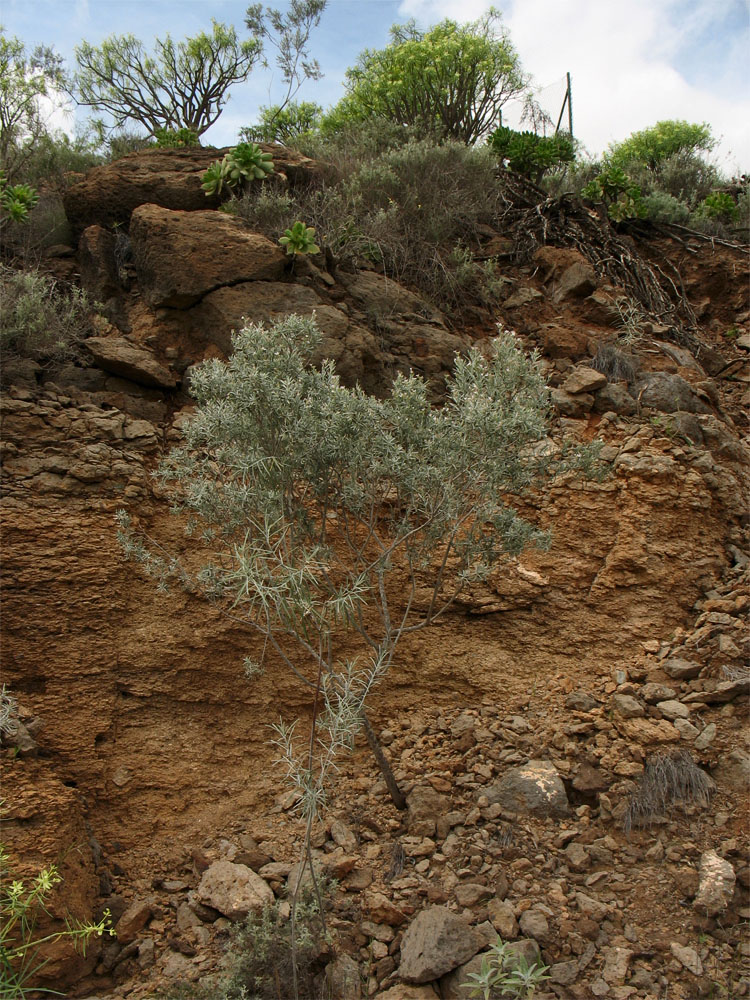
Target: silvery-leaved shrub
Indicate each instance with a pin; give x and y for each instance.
(317, 502)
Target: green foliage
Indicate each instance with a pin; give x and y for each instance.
(182, 84)
(56, 157)
(284, 125)
(38, 319)
(450, 81)
(125, 142)
(417, 209)
(26, 78)
(653, 146)
(21, 905)
(16, 200)
(246, 162)
(684, 176)
(615, 189)
(662, 207)
(300, 239)
(309, 495)
(530, 154)
(261, 962)
(176, 138)
(288, 32)
(719, 205)
(505, 973)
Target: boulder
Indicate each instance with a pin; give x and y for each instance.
(573, 406)
(576, 282)
(425, 806)
(668, 393)
(121, 357)
(233, 890)
(171, 178)
(716, 881)
(182, 256)
(535, 788)
(565, 341)
(435, 942)
(584, 379)
(614, 398)
(96, 260)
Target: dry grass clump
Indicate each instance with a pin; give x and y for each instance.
(667, 779)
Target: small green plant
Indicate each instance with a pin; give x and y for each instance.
(216, 177)
(615, 189)
(38, 318)
(246, 162)
(530, 154)
(505, 973)
(731, 334)
(21, 905)
(176, 138)
(16, 200)
(300, 239)
(719, 205)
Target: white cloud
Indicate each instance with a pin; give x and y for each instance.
(624, 62)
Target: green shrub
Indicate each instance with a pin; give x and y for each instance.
(662, 207)
(719, 205)
(530, 154)
(416, 209)
(176, 138)
(616, 190)
(284, 124)
(684, 176)
(504, 973)
(21, 905)
(451, 80)
(39, 318)
(16, 200)
(123, 143)
(657, 144)
(54, 157)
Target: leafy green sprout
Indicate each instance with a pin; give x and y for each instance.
(505, 973)
(300, 239)
(21, 904)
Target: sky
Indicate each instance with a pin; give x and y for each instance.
(631, 64)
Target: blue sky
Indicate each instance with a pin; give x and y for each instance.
(632, 64)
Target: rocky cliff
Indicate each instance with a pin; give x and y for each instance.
(626, 641)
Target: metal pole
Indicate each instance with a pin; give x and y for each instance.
(570, 107)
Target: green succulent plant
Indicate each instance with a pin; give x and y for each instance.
(300, 239)
(248, 161)
(16, 200)
(216, 178)
(621, 196)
